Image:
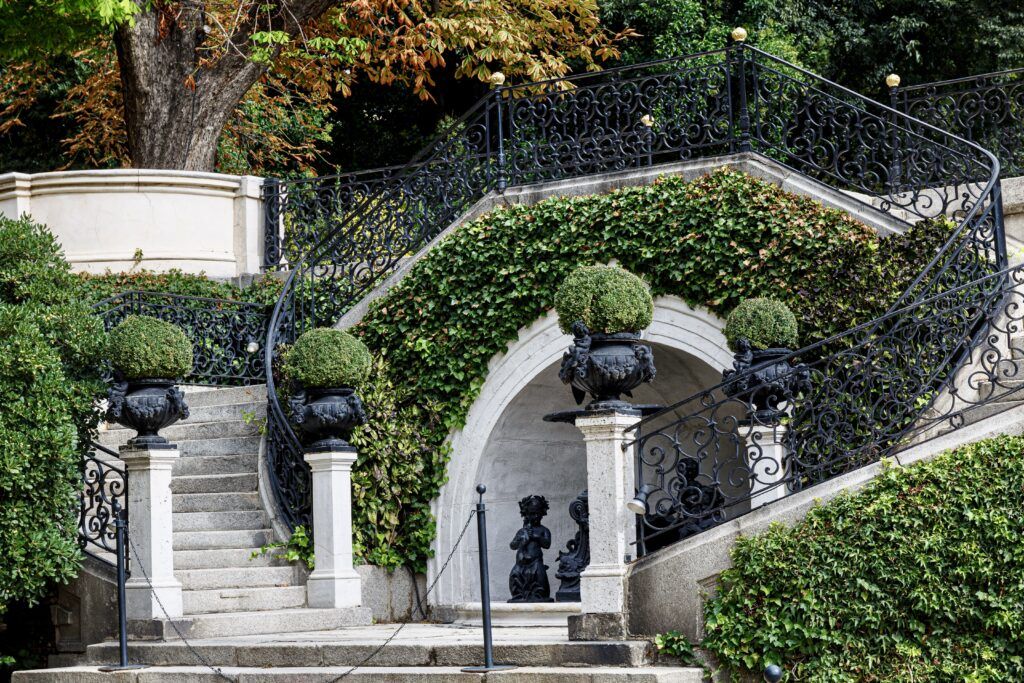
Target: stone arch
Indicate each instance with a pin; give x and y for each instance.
(689, 344)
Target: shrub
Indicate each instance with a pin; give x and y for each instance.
(917, 577)
(142, 347)
(50, 346)
(325, 357)
(606, 298)
(766, 323)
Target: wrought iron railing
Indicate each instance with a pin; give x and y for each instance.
(103, 496)
(987, 109)
(739, 99)
(227, 336)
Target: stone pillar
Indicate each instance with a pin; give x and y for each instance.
(766, 459)
(610, 484)
(334, 582)
(248, 227)
(150, 530)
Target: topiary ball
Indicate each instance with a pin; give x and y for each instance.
(142, 347)
(607, 299)
(325, 358)
(766, 323)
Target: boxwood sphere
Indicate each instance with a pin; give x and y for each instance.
(767, 323)
(606, 298)
(325, 358)
(142, 347)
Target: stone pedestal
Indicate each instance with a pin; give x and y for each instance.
(150, 530)
(610, 484)
(766, 459)
(334, 582)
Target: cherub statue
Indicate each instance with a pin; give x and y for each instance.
(528, 580)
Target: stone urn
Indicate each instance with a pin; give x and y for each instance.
(765, 381)
(147, 406)
(326, 417)
(606, 366)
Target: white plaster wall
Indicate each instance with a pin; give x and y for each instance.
(506, 445)
(198, 222)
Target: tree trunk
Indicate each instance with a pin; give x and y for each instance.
(175, 109)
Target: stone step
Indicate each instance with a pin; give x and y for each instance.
(200, 540)
(216, 464)
(220, 600)
(231, 445)
(236, 577)
(214, 483)
(250, 520)
(222, 558)
(449, 674)
(215, 502)
(186, 431)
(229, 624)
(311, 651)
(226, 395)
(254, 412)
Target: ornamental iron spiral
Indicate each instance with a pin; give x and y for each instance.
(104, 482)
(872, 388)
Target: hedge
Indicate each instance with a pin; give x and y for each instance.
(917, 577)
(713, 242)
(143, 347)
(607, 299)
(325, 358)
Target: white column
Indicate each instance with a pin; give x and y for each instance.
(610, 484)
(334, 582)
(766, 460)
(150, 529)
(248, 228)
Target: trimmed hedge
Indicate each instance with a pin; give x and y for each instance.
(142, 347)
(50, 346)
(713, 242)
(94, 288)
(325, 358)
(765, 323)
(917, 577)
(607, 299)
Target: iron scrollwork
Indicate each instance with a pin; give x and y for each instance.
(104, 490)
(576, 556)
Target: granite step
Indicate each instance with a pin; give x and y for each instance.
(193, 465)
(256, 393)
(229, 624)
(186, 431)
(219, 521)
(251, 412)
(200, 540)
(222, 558)
(215, 502)
(236, 577)
(214, 483)
(222, 600)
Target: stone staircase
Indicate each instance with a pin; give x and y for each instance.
(219, 520)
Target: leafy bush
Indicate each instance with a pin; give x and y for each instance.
(606, 298)
(50, 346)
(917, 577)
(298, 548)
(95, 288)
(713, 242)
(765, 323)
(142, 347)
(325, 357)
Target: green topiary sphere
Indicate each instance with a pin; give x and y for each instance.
(325, 358)
(766, 323)
(142, 347)
(607, 299)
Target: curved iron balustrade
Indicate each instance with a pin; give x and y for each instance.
(104, 491)
(987, 109)
(227, 336)
(735, 100)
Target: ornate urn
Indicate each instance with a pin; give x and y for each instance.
(326, 417)
(606, 366)
(765, 381)
(147, 406)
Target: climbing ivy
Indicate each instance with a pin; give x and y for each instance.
(918, 577)
(712, 241)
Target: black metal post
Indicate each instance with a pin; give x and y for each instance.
(485, 590)
(121, 551)
(499, 94)
(895, 185)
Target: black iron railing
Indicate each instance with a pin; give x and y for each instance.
(738, 99)
(986, 109)
(104, 494)
(227, 336)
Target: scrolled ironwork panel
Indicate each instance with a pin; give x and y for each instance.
(104, 480)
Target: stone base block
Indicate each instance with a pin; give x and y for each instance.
(159, 601)
(334, 591)
(598, 626)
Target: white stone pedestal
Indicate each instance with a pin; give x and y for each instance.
(766, 459)
(334, 582)
(610, 484)
(150, 530)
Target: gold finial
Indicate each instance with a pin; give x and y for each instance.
(892, 80)
(647, 120)
(497, 79)
(739, 34)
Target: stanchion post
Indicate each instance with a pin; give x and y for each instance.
(121, 550)
(485, 590)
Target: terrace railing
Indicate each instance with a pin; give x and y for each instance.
(987, 109)
(873, 383)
